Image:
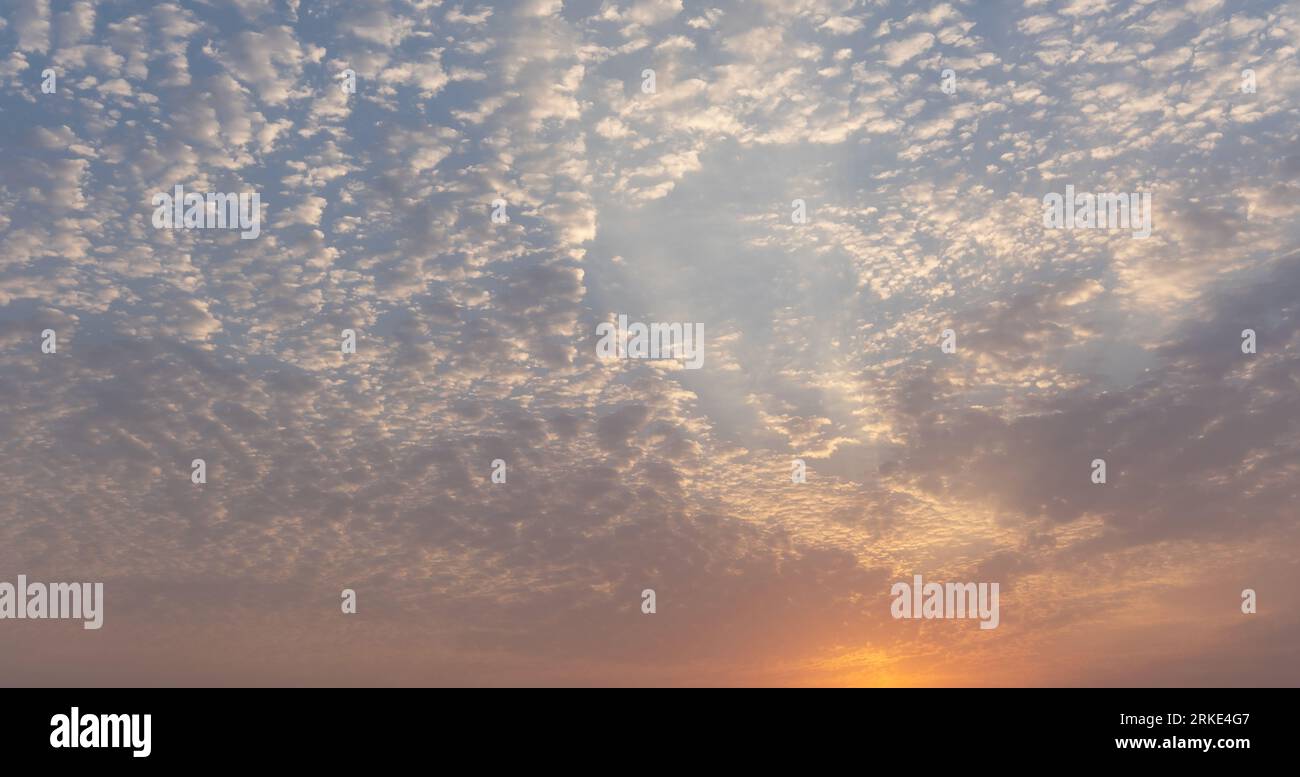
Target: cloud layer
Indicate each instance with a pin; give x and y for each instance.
(476, 341)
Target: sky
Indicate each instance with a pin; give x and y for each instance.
(920, 140)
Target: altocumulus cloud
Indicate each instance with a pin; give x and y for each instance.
(475, 340)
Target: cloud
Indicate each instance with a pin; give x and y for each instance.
(475, 340)
(901, 51)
